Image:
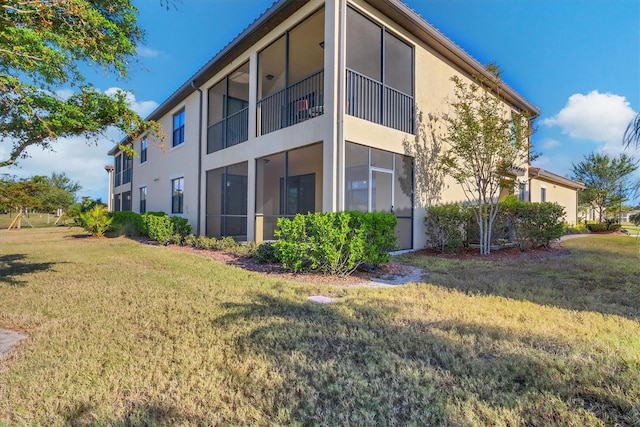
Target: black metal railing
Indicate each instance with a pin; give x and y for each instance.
(300, 101)
(229, 131)
(371, 100)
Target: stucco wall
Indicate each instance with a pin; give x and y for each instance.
(564, 196)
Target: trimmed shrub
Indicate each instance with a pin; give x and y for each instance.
(334, 243)
(96, 221)
(265, 253)
(602, 227)
(445, 227)
(144, 221)
(534, 224)
(181, 226)
(158, 227)
(126, 222)
(574, 229)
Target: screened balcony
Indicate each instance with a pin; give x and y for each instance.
(379, 78)
(291, 77)
(228, 116)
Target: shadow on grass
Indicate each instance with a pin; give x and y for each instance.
(363, 365)
(141, 414)
(15, 265)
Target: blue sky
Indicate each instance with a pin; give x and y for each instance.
(577, 60)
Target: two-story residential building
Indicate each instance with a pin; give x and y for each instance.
(309, 109)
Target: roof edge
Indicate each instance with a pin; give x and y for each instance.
(535, 172)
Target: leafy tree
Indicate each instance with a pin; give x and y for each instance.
(632, 133)
(606, 179)
(486, 143)
(38, 193)
(42, 44)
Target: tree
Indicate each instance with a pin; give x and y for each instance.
(606, 179)
(487, 143)
(38, 193)
(42, 44)
(632, 133)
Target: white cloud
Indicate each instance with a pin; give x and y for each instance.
(141, 107)
(81, 159)
(64, 93)
(597, 117)
(147, 52)
(549, 143)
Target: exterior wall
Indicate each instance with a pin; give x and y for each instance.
(333, 129)
(432, 88)
(564, 196)
(165, 162)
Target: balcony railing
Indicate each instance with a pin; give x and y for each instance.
(229, 131)
(371, 100)
(298, 102)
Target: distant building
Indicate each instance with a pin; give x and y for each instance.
(545, 186)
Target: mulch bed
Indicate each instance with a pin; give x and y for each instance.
(360, 277)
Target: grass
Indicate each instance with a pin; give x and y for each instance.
(633, 230)
(36, 219)
(127, 334)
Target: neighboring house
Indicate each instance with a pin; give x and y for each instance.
(624, 216)
(545, 186)
(309, 109)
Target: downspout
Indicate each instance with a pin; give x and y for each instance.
(199, 204)
(342, 13)
(531, 179)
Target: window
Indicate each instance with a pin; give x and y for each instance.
(127, 168)
(522, 191)
(228, 121)
(177, 194)
(380, 181)
(126, 201)
(291, 77)
(143, 150)
(178, 128)
(299, 196)
(227, 201)
(379, 74)
(143, 200)
(543, 194)
(116, 203)
(118, 175)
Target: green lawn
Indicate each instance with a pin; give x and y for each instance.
(33, 219)
(633, 230)
(122, 333)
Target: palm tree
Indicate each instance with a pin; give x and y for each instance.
(632, 134)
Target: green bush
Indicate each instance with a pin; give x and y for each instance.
(181, 226)
(265, 253)
(635, 219)
(160, 227)
(445, 227)
(144, 221)
(534, 224)
(334, 243)
(96, 221)
(126, 222)
(574, 229)
(598, 227)
(157, 227)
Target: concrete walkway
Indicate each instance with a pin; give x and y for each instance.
(8, 340)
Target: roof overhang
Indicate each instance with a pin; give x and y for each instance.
(538, 173)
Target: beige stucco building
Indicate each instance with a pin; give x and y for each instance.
(545, 186)
(314, 107)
